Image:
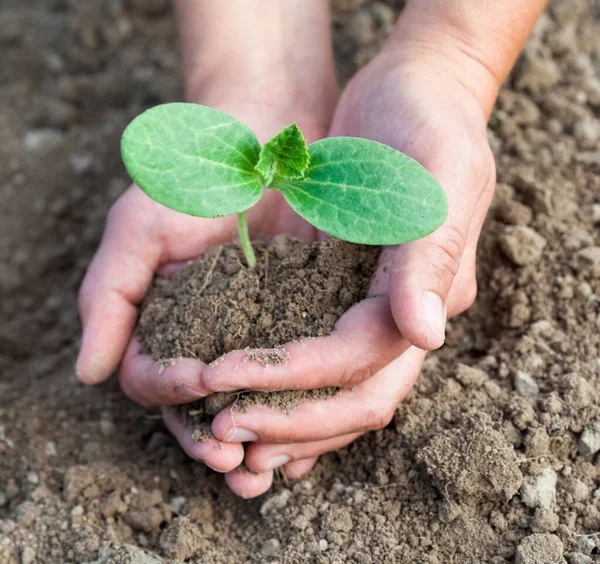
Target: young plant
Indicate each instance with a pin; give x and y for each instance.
(203, 162)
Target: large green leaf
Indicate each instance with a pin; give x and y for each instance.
(284, 156)
(365, 192)
(193, 159)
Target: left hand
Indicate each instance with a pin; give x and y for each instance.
(417, 104)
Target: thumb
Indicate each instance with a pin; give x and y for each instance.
(423, 272)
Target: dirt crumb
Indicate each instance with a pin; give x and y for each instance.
(472, 461)
(540, 549)
(202, 434)
(276, 357)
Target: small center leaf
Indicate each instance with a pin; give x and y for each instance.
(285, 156)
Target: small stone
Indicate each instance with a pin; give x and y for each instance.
(588, 261)
(270, 548)
(522, 245)
(470, 376)
(28, 555)
(107, 427)
(586, 544)
(177, 503)
(589, 442)
(514, 213)
(577, 239)
(540, 549)
(276, 501)
(578, 490)
(81, 163)
(51, 448)
(33, 478)
(43, 141)
(586, 132)
(323, 545)
(539, 491)
(525, 385)
(77, 511)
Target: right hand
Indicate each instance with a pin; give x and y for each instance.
(143, 237)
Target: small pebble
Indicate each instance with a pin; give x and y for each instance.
(589, 442)
(270, 548)
(539, 491)
(588, 260)
(521, 245)
(43, 141)
(525, 385)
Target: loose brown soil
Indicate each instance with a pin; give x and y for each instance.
(216, 304)
(492, 458)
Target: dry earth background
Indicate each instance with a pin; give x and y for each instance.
(493, 458)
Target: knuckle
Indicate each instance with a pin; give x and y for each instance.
(358, 375)
(447, 250)
(378, 416)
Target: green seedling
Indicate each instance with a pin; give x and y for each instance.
(203, 162)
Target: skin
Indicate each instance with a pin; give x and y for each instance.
(428, 93)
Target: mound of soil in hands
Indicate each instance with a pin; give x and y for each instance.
(493, 458)
(216, 304)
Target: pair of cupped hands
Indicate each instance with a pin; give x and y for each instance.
(376, 350)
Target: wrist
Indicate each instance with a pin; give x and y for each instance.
(267, 52)
(434, 50)
(477, 42)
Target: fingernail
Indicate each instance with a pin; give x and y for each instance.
(278, 461)
(214, 469)
(433, 313)
(238, 435)
(189, 393)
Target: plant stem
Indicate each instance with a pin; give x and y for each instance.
(245, 240)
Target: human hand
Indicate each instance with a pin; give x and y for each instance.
(143, 237)
(421, 109)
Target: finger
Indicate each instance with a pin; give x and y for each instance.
(216, 455)
(116, 280)
(423, 271)
(364, 340)
(248, 485)
(295, 470)
(261, 457)
(140, 235)
(369, 406)
(150, 383)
